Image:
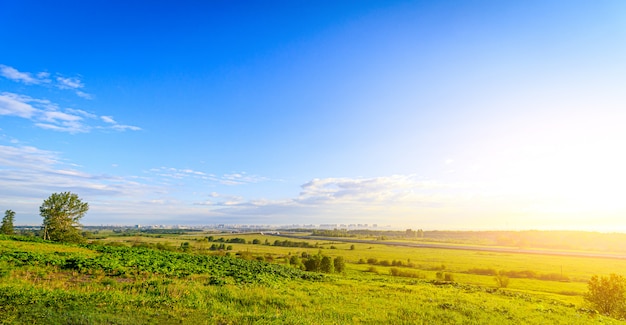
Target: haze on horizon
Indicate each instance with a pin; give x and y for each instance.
(435, 115)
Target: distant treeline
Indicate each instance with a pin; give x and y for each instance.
(568, 240)
(283, 243)
(169, 231)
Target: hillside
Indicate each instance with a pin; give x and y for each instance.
(47, 283)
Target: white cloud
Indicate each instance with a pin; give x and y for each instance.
(69, 127)
(117, 126)
(15, 75)
(108, 119)
(55, 116)
(49, 116)
(14, 105)
(42, 78)
(378, 190)
(69, 83)
(239, 178)
(81, 113)
(30, 174)
(83, 95)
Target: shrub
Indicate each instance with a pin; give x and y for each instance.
(340, 264)
(443, 276)
(502, 280)
(607, 294)
(405, 273)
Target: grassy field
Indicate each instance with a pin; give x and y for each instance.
(47, 283)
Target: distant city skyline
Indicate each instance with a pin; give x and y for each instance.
(438, 115)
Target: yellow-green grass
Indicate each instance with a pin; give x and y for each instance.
(458, 262)
(18, 246)
(40, 294)
(577, 269)
(428, 261)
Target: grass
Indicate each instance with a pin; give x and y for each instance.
(40, 293)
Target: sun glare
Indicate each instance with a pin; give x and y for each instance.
(562, 173)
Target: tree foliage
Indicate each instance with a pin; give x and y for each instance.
(61, 213)
(7, 223)
(501, 279)
(340, 264)
(607, 294)
(326, 264)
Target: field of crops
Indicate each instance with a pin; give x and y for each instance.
(190, 283)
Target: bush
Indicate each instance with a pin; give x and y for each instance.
(405, 273)
(340, 264)
(502, 280)
(479, 271)
(442, 276)
(607, 294)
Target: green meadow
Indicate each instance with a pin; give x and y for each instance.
(214, 278)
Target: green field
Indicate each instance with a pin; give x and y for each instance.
(126, 279)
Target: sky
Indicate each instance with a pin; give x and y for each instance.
(422, 114)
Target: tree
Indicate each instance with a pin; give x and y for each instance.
(340, 264)
(313, 263)
(326, 265)
(501, 279)
(7, 223)
(61, 213)
(607, 293)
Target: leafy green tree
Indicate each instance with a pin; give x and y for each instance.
(295, 261)
(7, 223)
(607, 294)
(61, 213)
(185, 247)
(326, 264)
(340, 264)
(313, 263)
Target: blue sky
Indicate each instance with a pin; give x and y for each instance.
(428, 114)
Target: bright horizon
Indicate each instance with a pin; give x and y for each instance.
(478, 115)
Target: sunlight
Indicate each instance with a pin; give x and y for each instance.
(566, 174)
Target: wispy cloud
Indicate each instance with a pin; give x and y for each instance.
(48, 115)
(69, 83)
(116, 126)
(43, 78)
(239, 178)
(29, 174)
(23, 77)
(378, 190)
(15, 105)
(393, 199)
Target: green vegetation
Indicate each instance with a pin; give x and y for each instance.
(179, 279)
(61, 214)
(7, 223)
(561, 240)
(608, 294)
